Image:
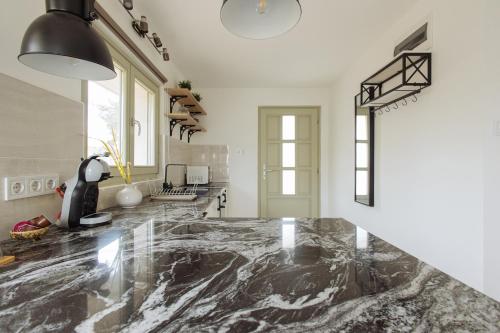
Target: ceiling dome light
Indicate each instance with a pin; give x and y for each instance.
(62, 42)
(260, 19)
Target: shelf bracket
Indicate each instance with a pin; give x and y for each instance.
(190, 134)
(173, 100)
(173, 123)
(184, 128)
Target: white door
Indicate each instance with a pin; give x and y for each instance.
(289, 161)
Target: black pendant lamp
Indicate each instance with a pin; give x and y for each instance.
(62, 42)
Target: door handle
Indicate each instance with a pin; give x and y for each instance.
(220, 206)
(265, 171)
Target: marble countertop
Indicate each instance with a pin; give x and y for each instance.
(160, 268)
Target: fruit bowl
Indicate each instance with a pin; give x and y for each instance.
(32, 229)
(30, 234)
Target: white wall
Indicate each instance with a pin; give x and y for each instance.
(233, 119)
(430, 158)
(491, 86)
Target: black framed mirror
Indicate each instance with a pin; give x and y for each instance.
(364, 147)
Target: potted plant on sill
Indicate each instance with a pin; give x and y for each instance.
(186, 84)
(129, 196)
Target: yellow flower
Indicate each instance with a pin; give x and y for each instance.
(116, 155)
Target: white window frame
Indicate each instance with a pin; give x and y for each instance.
(131, 74)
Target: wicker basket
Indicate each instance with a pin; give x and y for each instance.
(32, 234)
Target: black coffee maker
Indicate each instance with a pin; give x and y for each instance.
(81, 195)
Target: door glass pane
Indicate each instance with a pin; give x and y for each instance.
(288, 128)
(362, 127)
(361, 155)
(144, 126)
(361, 182)
(106, 114)
(288, 182)
(288, 159)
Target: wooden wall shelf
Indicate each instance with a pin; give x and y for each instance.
(186, 120)
(185, 98)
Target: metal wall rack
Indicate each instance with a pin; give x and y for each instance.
(403, 77)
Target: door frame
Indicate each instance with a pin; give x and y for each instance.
(313, 108)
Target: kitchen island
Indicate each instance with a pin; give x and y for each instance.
(162, 268)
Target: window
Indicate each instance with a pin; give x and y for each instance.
(127, 106)
(106, 112)
(145, 124)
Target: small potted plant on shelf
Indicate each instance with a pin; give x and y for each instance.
(186, 84)
(197, 96)
(129, 196)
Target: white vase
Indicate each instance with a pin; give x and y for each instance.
(129, 196)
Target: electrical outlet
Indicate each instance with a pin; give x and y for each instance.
(15, 188)
(29, 186)
(51, 183)
(35, 186)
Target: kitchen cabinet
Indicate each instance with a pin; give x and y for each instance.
(218, 206)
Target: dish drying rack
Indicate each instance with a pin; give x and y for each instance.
(174, 194)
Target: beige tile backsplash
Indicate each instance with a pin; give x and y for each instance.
(38, 124)
(215, 156)
(40, 133)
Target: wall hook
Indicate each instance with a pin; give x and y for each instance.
(387, 109)
(396, 106)
(405, 102)
(380, 112)
(414, 99)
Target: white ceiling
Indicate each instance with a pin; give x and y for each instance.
(330, 34)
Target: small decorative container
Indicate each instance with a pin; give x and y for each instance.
(31, 234)
(129, 196)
